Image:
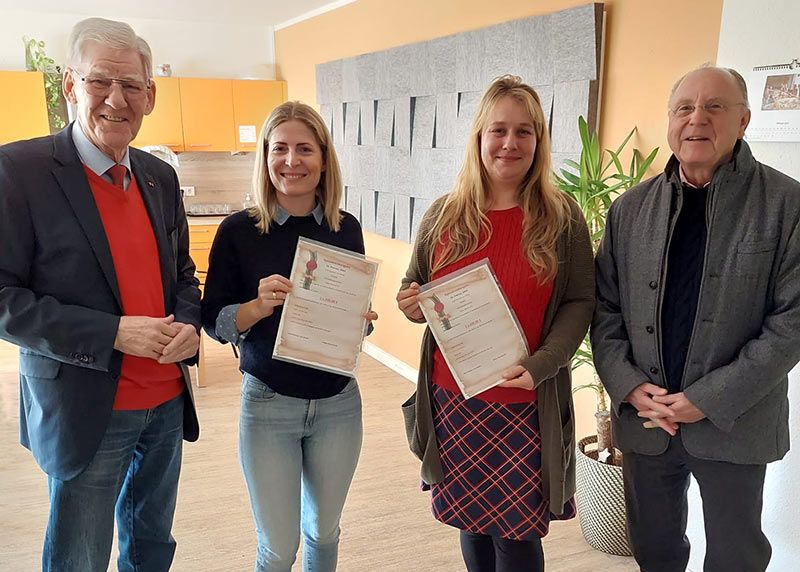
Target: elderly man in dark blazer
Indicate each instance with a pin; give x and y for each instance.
(98, 291)
(696, 329)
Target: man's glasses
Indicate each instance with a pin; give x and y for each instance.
(712, 108)
(101, 86)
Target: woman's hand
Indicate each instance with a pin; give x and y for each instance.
(408, 303)
(272, 292)
(371, 316)
(517, 376)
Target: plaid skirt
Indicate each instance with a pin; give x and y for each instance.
(491, 456)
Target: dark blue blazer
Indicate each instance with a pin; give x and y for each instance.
(59, 298)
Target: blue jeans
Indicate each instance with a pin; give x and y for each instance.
(298, 457)
(135, 474)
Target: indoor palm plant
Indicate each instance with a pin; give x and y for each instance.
(594, 182)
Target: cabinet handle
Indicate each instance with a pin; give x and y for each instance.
(199, 144)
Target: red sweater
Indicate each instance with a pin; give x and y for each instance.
(525, 295)
(143, 382)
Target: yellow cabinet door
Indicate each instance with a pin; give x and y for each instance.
(207, 106)
(23, 114)
(253, 100)
(164, 126)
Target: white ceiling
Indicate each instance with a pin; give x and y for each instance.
(251, 12)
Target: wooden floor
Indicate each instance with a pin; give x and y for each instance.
(386, 526)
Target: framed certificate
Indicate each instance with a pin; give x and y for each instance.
(475, 328)
(322, 324)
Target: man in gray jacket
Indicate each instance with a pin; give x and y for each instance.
(696, 328)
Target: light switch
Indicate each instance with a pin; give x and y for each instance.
(187, 191)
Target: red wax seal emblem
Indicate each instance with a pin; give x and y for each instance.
(311, 265)
(438, 307)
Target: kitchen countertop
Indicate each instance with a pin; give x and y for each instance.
(198, 220)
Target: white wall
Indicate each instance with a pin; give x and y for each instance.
(754, 34)
(193, 49)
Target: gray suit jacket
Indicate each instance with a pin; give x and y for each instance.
(746, 335)
(59, 299)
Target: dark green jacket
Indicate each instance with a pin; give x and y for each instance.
(565, 324)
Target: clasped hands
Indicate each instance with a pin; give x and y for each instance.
(663, 410)
(161, 339)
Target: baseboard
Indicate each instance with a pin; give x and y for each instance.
(387, 359)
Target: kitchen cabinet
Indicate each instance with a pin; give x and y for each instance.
(207, 109)
(253, 101)
(200, 238)
(164, 126)
(23, 114)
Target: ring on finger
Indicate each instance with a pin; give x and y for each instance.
(274, 295)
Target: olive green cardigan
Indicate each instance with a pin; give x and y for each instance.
(565, 324)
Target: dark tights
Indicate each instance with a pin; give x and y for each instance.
(484, 553)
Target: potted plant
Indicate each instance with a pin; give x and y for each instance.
(36, 59)
(594, 182)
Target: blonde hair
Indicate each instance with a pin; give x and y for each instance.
(109, 33)
(462, 217)
(329, 190)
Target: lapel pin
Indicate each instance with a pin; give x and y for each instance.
(151, 184)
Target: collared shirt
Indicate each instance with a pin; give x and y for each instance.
(95, 159)
(685, 181)
(226, 320)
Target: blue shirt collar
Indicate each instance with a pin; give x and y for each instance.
(97, 161)
(282, 215)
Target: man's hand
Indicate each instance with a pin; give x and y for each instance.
(408, 303)
(517, 376)
(144, 336)
(682, 410)
(184, 345)
(643, 398)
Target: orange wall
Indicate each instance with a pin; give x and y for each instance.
(649, 44)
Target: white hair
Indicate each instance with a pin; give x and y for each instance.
(115, 35)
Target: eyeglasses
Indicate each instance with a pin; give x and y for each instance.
(101, 86)
(712, 108)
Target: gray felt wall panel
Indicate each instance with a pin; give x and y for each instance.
(569, 101)
(384, 215)
(402, 217)
(384, 123)
(367, 134)
(423, 119)
(368, 209)
(401, 137)
(352, 119)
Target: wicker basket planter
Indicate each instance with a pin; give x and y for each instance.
(601, 501)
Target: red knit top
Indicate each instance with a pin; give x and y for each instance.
(143, 382)
(527, 298)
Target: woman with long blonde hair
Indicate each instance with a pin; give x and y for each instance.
(300, 428)
(499, 465)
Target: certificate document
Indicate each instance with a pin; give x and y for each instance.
(476, 330)
(322, 324)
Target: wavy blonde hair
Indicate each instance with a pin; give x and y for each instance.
(462, 217)
(329, 190)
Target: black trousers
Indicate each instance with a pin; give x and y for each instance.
(655, 495)
(484, 553)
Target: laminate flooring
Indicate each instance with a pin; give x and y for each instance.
(386, 525)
